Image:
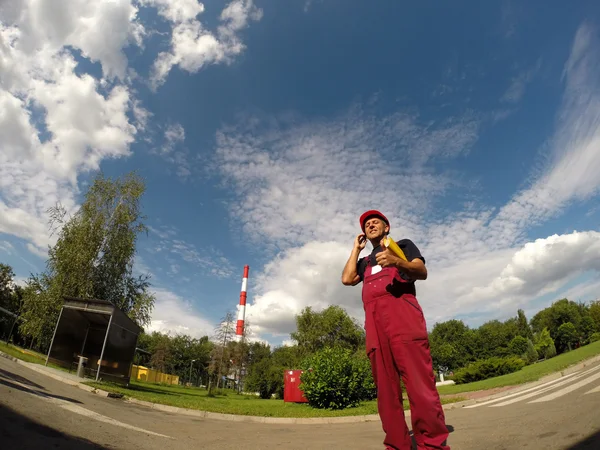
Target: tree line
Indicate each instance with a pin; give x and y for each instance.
(560, 327)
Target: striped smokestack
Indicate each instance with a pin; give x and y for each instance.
(239, 329)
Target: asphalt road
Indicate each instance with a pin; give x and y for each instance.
(38, 412)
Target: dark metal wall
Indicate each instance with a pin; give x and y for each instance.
(118, 354)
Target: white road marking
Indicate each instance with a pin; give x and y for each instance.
(535, 388)
(535, 393)
(596, 389)
(568, 389)
(99, 417)
(64, 404)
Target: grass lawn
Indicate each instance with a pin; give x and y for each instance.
(231, 403)
(27, 355)
(528, 373)
(23, 354)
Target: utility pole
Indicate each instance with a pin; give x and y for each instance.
(191, 362)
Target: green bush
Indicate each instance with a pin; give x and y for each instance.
(595, 337)
(265, 378)
(518, 345)
(334, 378)
(531, 354)
(488, 368)
(544, 345)
(550, 351)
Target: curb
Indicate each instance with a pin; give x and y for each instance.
(300, 420)
(253, 419)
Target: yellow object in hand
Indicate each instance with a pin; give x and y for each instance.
(389, 243)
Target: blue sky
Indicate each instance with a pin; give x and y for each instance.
(264, 129)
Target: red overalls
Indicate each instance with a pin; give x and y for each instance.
(397, 345)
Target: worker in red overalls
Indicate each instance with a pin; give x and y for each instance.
(396, 336)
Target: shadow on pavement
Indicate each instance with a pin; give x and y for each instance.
(18, 431)
(22, 384)
(450, 429)
(20, 379)
(590, 443)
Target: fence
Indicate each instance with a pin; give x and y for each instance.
(141, 373)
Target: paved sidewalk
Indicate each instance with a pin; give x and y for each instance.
(59, 375)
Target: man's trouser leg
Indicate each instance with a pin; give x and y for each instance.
(389, 398)
(413, 359)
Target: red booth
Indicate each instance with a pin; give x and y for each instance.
(291, 387)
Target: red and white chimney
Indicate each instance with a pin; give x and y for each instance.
(239, 329)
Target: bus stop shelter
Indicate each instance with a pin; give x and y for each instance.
(98, 332)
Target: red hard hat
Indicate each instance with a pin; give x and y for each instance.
(369, 214)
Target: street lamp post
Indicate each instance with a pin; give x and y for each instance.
(192, 362)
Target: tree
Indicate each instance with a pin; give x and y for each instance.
(560, 312)
(162, 354)
(544, 344)
(6, 287)
(220, 355)
(330, 327)
(567, 336)
(264, 376)
(10, 299)
(519, 345)
(594, 310)
(174, 354)
(266, 369)
(445, 357)
(452, 344)
(493, 338)
(39, 310)
(587, 328)
(523, 327)
(93, 256)
(287, 357)
(531, 355)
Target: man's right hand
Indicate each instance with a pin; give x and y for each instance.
(360, 242)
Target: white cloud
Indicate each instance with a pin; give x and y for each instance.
(100, 29)
(299, 181)
(573, 160)
(173, 153)
(208, 261)
(304, 276)
(173, 135)
(176, 10)
(305, 184)
(538, 267)
(56, 123)
(173, 314)
(6, 247)
(193, 46)
(518, 85)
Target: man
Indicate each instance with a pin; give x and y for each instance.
(396, 336)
